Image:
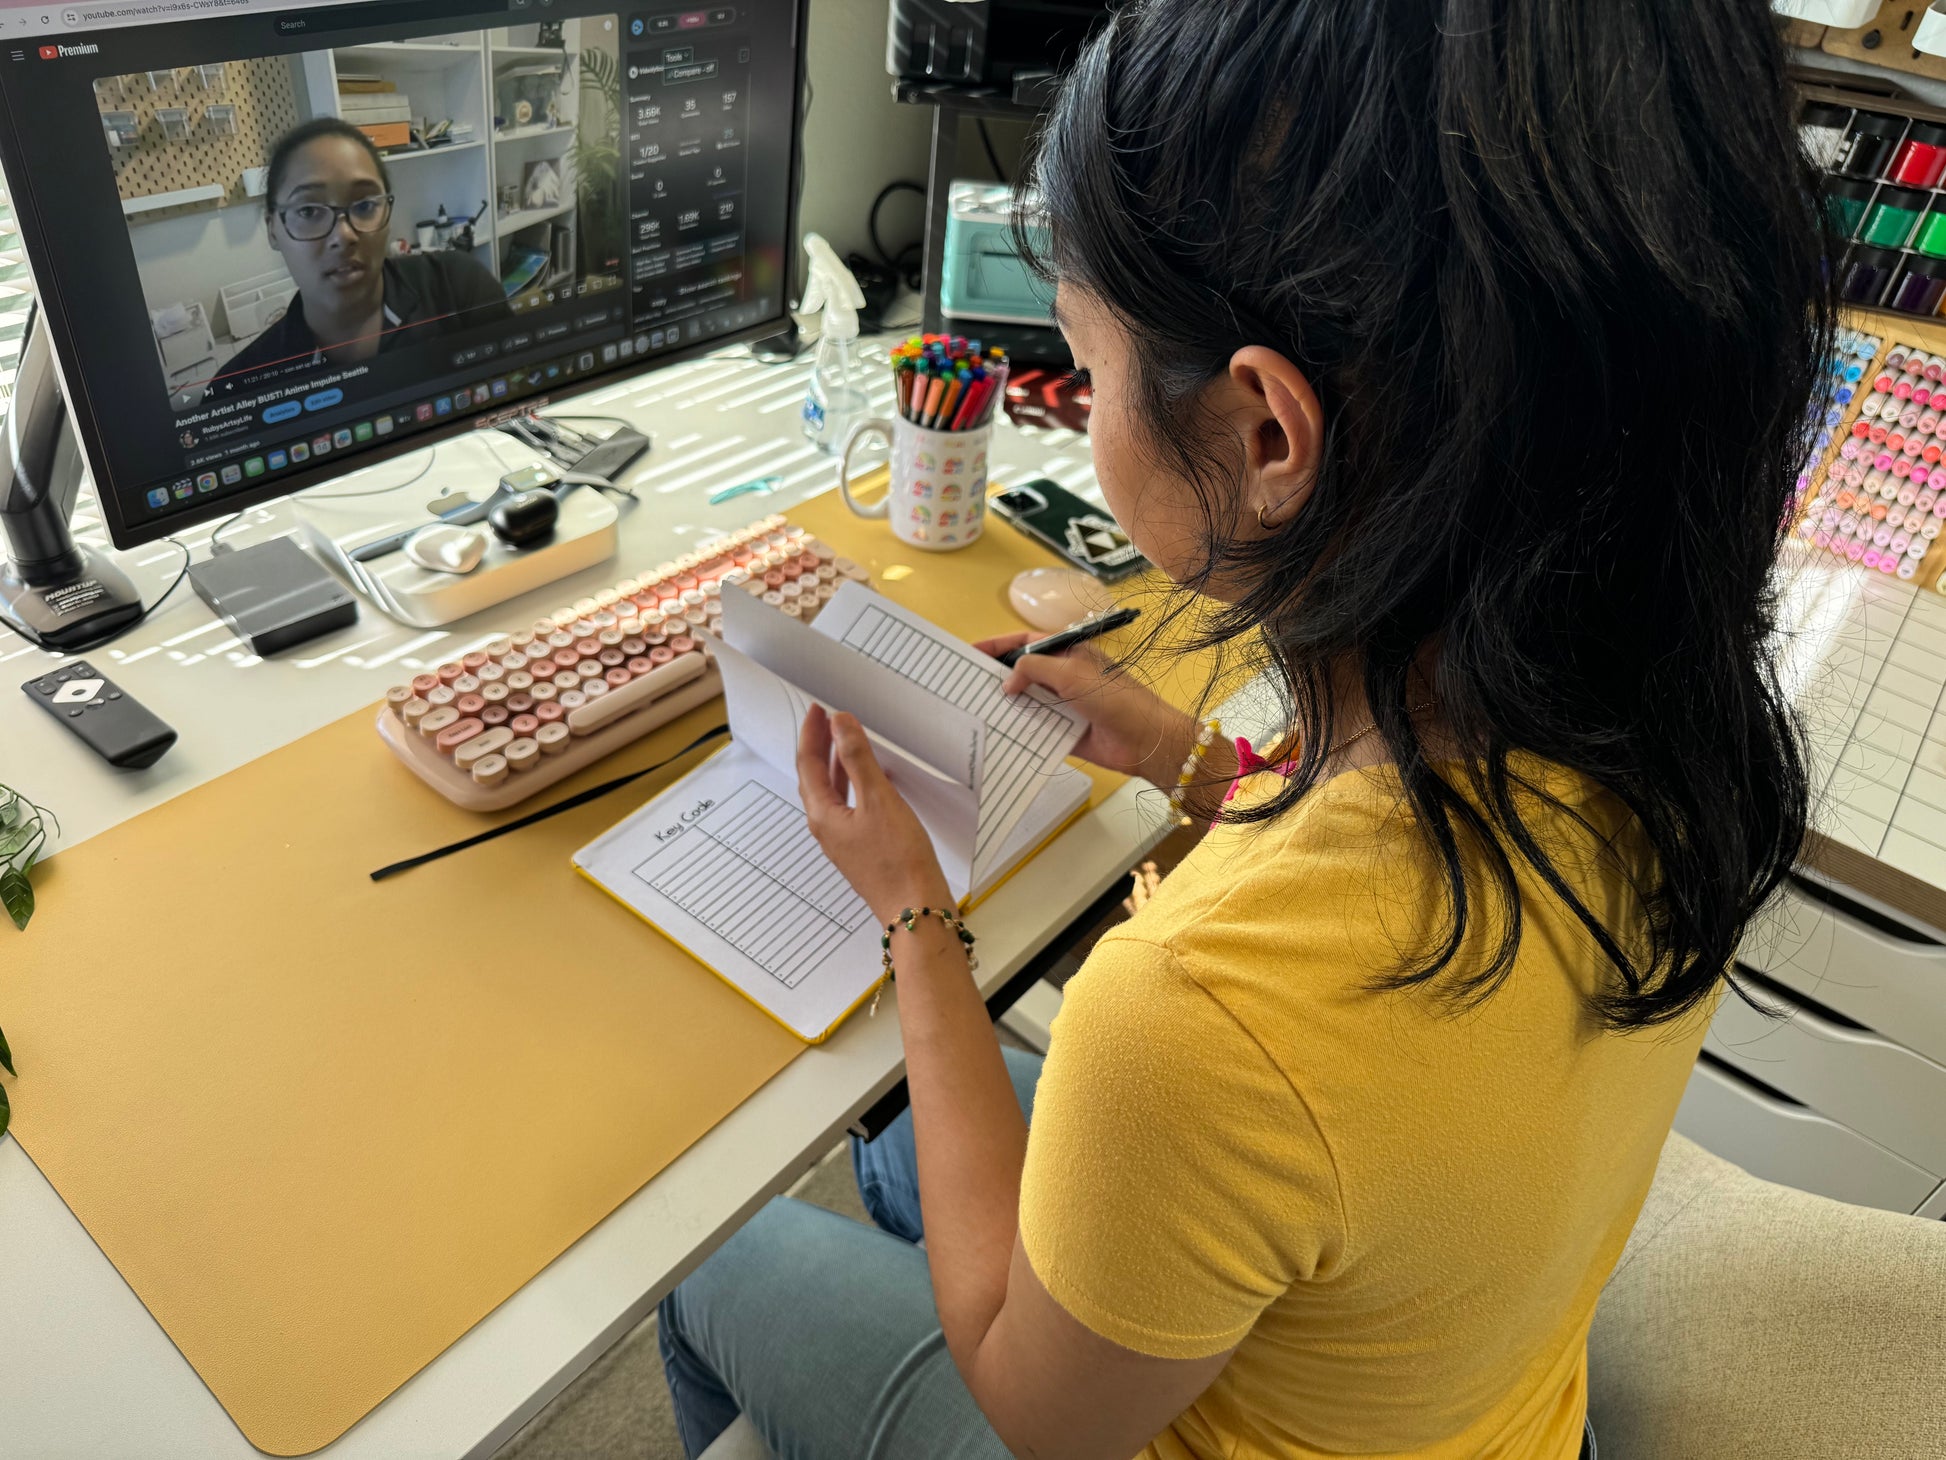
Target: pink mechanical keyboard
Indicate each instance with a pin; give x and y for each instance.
(528, 709)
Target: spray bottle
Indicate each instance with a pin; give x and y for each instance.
(834, 403)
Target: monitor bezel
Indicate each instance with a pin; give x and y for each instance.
(82, 411)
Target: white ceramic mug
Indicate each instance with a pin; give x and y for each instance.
(938, 497)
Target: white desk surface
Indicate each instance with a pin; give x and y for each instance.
(87, 1372)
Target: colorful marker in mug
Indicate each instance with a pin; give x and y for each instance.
(947, 382)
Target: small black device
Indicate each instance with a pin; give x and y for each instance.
(273, 596)
(525, 518)
(612, 456)
(987, 42)
(1094, 628)
(1079, 531)
(104, 717)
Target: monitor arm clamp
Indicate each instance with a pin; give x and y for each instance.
(54, 592)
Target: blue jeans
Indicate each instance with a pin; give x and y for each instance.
(823, 1331)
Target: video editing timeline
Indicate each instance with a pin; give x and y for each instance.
(689, 113)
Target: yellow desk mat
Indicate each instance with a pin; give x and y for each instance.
(322, 1125)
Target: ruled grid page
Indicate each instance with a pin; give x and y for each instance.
(1026, 739)
(1864, 661)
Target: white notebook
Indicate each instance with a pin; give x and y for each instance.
(723, 861)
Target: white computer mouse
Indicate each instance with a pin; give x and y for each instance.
(447, 549)
(1052, 598)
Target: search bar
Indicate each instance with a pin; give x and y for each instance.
(363, 17)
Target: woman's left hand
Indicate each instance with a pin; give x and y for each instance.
(862, 822)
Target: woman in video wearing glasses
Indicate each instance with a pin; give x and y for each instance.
(328, 210)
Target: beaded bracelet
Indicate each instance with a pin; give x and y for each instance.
(908, 919)
(1205, 737)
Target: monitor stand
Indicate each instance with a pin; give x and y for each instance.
(338, 518)
(55, 593)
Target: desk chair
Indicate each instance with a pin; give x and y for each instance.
(1750, 1320)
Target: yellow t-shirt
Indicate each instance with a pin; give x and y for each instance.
(1400, 1216)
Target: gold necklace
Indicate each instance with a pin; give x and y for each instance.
(1342, 746)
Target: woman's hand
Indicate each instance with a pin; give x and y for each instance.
(1130, 728)
(862, 822)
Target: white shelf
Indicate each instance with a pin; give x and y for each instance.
(209, 194)
(534, 129)
(392, 157)
(532, 53)
(413, 53)
(514, 222)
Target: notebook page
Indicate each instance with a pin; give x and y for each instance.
(766, 711)
(724, 863)
(1027, 737)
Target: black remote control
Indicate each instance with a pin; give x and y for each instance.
(108, 720)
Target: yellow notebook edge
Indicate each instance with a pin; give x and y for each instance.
(1032, 852)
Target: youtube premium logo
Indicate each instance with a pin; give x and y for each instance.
(53, 53)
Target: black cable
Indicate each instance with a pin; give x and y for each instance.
(579, 416)
(181, 573)
(580, 798)
(216, 544)
(216, 537)
(432, 455)
(986, 141)
(898, 185)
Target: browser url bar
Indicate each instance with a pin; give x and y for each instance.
(320, 19)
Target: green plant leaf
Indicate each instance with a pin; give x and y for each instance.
(6, 1111)
(17, 896)
(14, 840)
(6, 1055)
(11, 808)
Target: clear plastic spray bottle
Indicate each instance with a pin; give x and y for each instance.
(834, 403)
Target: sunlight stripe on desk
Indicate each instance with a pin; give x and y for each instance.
(337, 653)
(760, 450)
(409, 647)
(771, 388)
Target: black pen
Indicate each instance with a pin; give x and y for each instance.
(1060, 643)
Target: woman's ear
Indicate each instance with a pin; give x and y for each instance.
(1283, 433)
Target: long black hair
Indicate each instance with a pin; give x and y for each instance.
(1554, 270)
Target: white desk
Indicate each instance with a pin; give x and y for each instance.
(87, 1371)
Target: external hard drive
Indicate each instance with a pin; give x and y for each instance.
(273, 595)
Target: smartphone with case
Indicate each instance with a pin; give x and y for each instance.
(1079, 531)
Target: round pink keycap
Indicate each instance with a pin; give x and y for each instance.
(548, 713)
(524, 724)
(616, 678)
(469, 704)
(457, 734)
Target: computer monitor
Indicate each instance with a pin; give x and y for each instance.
(273, 244)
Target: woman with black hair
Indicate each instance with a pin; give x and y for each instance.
(328, 212)
(1460, 353)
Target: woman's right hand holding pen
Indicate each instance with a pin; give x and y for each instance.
(1131, 728)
